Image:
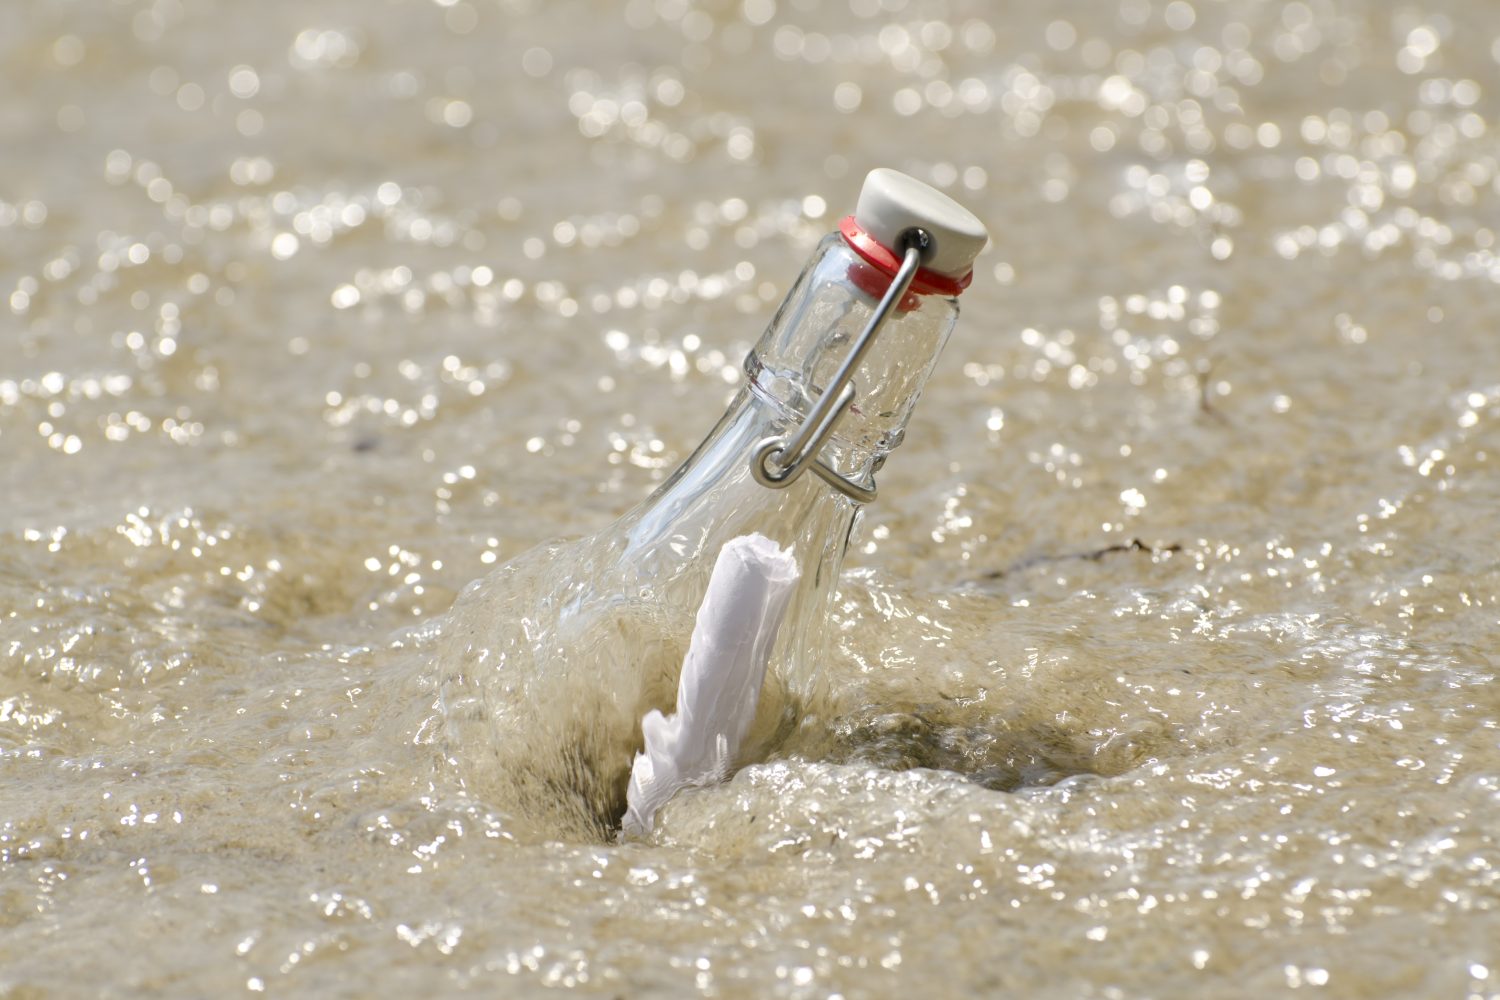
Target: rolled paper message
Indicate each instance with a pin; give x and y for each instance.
(742, 610)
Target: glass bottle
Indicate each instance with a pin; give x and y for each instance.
(550, 662)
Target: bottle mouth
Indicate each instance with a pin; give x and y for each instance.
(887, 262)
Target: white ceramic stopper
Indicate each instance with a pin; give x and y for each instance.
(892, 202)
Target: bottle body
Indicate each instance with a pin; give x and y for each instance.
(551, 661)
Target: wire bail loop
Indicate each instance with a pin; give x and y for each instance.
(777, 462)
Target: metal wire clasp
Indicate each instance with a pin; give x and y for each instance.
(777, 461)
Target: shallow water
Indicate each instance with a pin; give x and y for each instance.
(1165, 660)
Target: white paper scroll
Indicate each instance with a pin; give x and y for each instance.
(737, 622)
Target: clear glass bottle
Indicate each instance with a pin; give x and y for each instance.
(550, 662)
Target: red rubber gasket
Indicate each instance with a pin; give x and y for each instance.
(885, 261)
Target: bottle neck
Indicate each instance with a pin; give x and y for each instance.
(812, 334)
